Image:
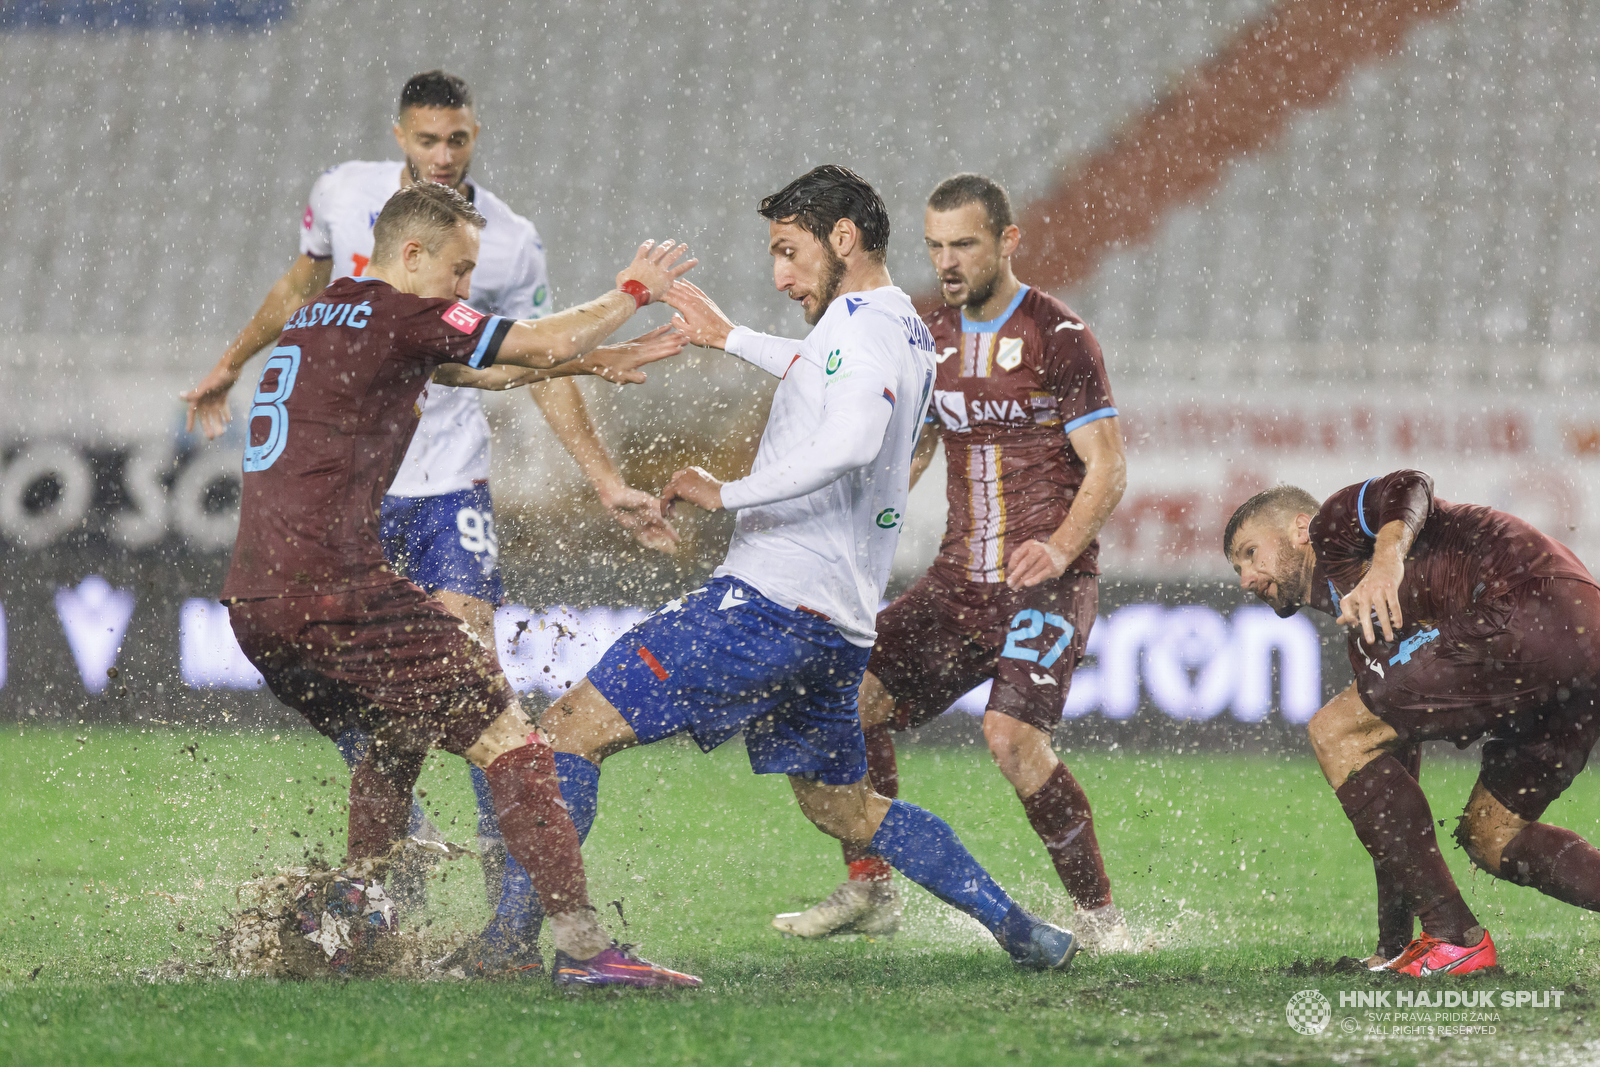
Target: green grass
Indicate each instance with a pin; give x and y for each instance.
(124, 849)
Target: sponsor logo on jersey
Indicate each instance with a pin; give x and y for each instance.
(538, 296)
(951, 404)
(462, 317)
(733, 598)
(852, 305)
(308, 218)
(1009, 356)
(835, 359)
(998, 411)
(1068, 326)
(1042, 679)
(888, 519)
(944, 354)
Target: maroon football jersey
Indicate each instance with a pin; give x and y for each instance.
(1461, 553)
(1007, 393)
(331, 418)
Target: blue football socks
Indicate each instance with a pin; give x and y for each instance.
(580, 788)
(922, 847)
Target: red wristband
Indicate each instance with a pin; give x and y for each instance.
(638, 290)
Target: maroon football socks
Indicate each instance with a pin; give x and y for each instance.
(537, 829)
(1554, 861)
(1059, 813)
(380, 801)
(1396, 925)
(1392, 818)
(883, 774)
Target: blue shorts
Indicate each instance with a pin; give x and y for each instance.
(725, 658)
(445, 542)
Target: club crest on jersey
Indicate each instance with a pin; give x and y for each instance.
(462, 317)
(952, 407)
(888, 519)
(835, 360)
(1009, 354)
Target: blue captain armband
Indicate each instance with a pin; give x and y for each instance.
(494, 334)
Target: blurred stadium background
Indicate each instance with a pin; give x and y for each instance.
(1315, 245)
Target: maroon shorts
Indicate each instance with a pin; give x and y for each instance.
(1523, 669)
(389, 660)
(944, 636)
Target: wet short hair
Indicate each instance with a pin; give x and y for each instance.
(1280, 501)
(964, 189)
(427, 211)
(819, 198)
(435, 88)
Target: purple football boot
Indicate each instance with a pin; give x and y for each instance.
(617, 965)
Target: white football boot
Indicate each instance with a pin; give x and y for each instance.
(1102, 930)
(870, 908)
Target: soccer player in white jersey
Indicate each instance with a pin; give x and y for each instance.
(438, 517)
(776, 643)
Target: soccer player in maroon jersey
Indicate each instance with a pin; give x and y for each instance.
(1035, 464)
(335, 632)
(1465, 622)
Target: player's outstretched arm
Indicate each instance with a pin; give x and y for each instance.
(659, 343)
(855, 416)
(562, 338)
(208, 401)
(1105, 478)
(703, 322)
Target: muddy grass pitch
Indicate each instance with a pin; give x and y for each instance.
(125, 849)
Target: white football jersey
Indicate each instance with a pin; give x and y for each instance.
(829, 550)
(450, 449)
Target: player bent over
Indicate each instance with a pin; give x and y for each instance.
(1035, 466)
(337, 635)
(1485, 627)
(775, 644)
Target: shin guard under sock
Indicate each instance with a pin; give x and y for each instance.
(1556, 862)
(1059, 813)
(883, 773)
(924, 849)
(1391, 816)
(537, 828)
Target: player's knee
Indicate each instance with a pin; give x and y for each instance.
(873, 702)
(1480, 842)
(1013, 744)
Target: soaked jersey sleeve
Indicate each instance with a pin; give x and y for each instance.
(772, 354)
(857, 402)
(316, 236)
(1075, 372)
(1347, 524)
(442, 331)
